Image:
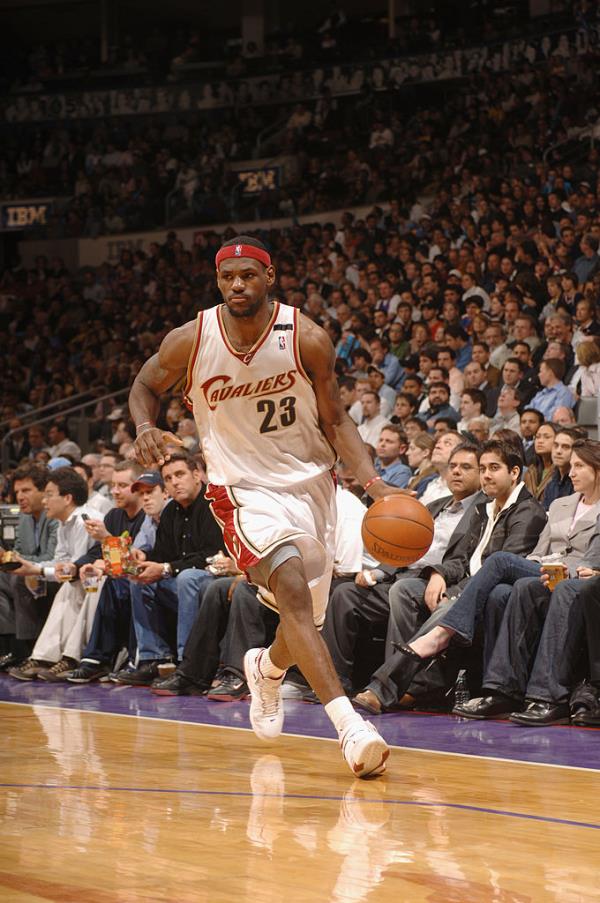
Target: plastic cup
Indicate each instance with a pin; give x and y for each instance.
(556, 572)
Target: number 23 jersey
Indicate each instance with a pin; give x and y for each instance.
(256, 411)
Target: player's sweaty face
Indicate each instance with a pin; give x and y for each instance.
(243, 284)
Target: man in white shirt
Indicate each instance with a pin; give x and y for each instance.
(440, 456)
(495, 336)
(67, 627)
(60, 444)
(373, 421)
(95, 500)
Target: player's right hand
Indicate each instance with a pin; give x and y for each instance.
(151, 446)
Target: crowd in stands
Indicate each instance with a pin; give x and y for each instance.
(467, 339)
(463, 361)
(160, 49)
(136, 172)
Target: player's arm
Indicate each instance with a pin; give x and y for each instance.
(318, 359)
(159, 374)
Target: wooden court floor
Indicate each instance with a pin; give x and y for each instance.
(99, 808)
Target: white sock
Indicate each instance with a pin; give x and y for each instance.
(341, 713)
(267, 668)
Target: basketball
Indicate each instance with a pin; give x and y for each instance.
(397, 530)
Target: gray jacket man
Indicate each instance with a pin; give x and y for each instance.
(21, 613)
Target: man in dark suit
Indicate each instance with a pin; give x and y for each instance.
(509, 519)
(365, 601)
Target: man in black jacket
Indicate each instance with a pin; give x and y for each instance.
(174, 576)
(510, 520)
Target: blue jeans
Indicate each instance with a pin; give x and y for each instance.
(182, 594)
(500, 568)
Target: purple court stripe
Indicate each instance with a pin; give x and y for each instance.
(307, 796)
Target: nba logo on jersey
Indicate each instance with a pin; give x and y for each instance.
(282, 343)
(238, 251)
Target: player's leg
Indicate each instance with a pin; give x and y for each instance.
(298, 642)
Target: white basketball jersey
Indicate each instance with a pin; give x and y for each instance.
(256, 411)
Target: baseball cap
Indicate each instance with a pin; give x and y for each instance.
(59, 461)
(150, 478)
(373, 368)
(116, 414)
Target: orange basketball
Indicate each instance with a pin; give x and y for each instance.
(397, 530)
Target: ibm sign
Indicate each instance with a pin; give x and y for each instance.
(256, 180)
(25, 214)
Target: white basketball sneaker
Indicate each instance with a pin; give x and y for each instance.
(266, 704)
(364, 749)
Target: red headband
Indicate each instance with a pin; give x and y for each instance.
(242, 251)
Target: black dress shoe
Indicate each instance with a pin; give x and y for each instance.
(486, 707)
(142, 676)
(8, 661)
(176, 685)
(588, 718)
(537, 713)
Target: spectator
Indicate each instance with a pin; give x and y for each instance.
(389, 463)
(60, 444)
(554, 393)
(58, 647)
(386, 394)
(587, 265)
(438, 404)
(373, 421)
(507, 417)
(560, 483)
(418, 455)
(440, 455)
(95, 500)
(388, 363)
(585, 382)
(472, 404)
(112, 627)
(564, 417)
(541, 469)
(24, 605)
(529, 423)
(173, 575)
(458, 341)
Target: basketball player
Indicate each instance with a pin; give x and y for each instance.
(262, 387)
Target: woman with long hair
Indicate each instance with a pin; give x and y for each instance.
(566, 537)
(418, 455)
(585, 382)
(540, 472)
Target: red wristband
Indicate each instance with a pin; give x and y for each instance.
(371, 481)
